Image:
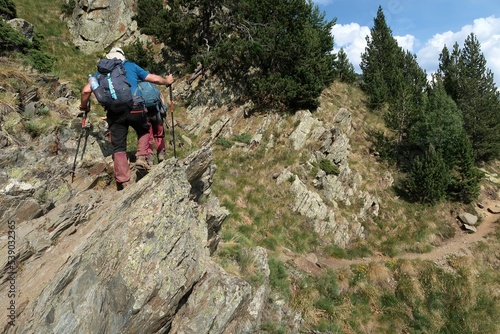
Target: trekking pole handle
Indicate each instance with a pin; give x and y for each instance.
(170, 93)
(84, 119)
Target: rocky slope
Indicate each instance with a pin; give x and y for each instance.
(79, 257)
(88, 259)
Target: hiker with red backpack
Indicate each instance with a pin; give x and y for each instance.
(118, 80)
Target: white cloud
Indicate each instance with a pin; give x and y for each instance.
(323, 2)
(406, 42)
(352, 37)
(487, 31)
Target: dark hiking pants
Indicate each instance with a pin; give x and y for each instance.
(118, 132)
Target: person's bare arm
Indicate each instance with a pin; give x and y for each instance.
(159, 80)
(85, 97)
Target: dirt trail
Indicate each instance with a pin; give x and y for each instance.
(460, 243)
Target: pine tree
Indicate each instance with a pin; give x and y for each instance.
(448, 70)
(291, 46)
(277, 51)
(465, 183)
(471, 85)
(479, 101)
(441, 127)
(428, 178)
(345, 69)
(379, 62)
(407, 95)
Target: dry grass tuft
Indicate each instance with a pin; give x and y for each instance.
(12, 75)
(380, 275)
(6, 107)
(465, 265)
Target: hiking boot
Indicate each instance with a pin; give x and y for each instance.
(161, 156)
(141, 163)
(123, 185)
(126, 184)
(150, 160)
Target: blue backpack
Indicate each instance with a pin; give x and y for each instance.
(149, 93)
(113, 92)
(152, 98)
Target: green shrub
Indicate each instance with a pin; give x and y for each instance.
(243, 138)
(327, 285)
(11, 40)
(328, 167)
(34, 127)
(7, 9)
(68, 7)
(272, 328)
(224, 142)
(40, 61)
(278, 278)
(335, 251)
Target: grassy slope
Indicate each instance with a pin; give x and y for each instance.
(393, 296)
(399, 295)
(69, 61)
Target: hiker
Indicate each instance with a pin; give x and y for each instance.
(134, 116)
(155, 104)
(156, 132)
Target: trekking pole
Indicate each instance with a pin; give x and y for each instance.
(84, 130)
(172, 111)
(85, 126)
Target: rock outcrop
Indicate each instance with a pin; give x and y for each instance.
(135, 261)
(98, 24)
(88, 259)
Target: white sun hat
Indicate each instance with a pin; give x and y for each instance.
(116, 53)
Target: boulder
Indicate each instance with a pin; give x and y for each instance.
(468, 218)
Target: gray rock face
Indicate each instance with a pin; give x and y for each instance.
(136, 261)
(97, 24)
(89, 259)
(230, 305)
(24, 27)
(221, 295)
(127, 284)
(320, 204)
(302, 132)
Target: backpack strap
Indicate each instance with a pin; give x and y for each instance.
(111, 88)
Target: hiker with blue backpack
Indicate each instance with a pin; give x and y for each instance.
(117, 81)
(153, 99)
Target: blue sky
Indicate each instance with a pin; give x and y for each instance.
(422, 27)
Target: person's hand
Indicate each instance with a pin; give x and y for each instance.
(170, 79)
